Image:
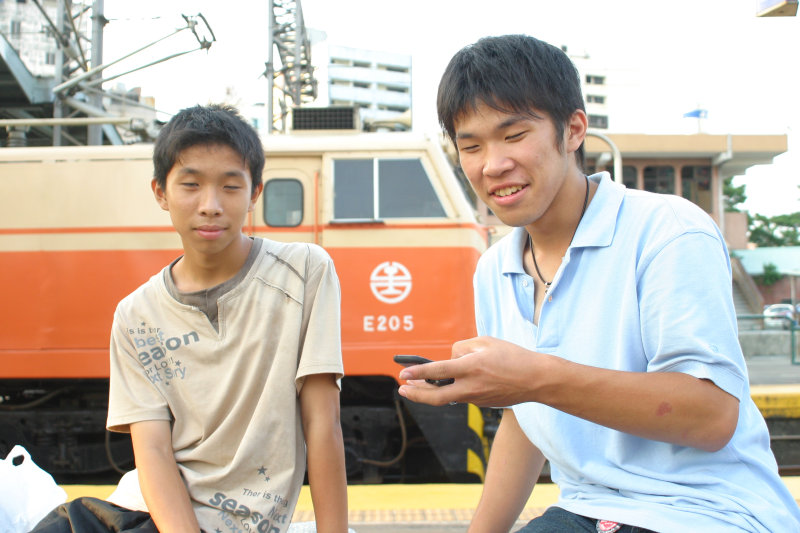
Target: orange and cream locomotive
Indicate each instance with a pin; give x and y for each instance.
(79, 230)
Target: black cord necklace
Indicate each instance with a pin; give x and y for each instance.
(530, 241)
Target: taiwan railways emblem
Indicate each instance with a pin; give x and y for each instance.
(390, 282)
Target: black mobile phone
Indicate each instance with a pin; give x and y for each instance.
(411, 360)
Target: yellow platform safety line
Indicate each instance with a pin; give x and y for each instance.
(475, 422)
(777, 401)
(424, 503)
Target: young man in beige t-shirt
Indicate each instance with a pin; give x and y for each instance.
(225, 365)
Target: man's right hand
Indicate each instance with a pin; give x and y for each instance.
(488, 372)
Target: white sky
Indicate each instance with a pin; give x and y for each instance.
(664, 59)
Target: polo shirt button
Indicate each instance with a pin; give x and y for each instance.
(525, 283)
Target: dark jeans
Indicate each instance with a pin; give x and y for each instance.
(557, 520)
(90, 515)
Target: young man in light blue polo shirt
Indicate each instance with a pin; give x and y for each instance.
(607, 325)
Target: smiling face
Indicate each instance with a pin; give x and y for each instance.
(208, 194)
(516, 163)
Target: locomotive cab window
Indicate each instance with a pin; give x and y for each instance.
(373, 189)
(283, 202)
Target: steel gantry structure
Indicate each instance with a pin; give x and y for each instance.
(68, 106)
(293, 79)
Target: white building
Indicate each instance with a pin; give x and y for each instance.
(378, 83)
(595, 87)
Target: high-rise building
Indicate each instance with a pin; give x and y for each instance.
(595, 87)
(377, 83)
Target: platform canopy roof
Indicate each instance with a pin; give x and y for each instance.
(731, 154)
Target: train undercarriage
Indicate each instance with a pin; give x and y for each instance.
(387, 439)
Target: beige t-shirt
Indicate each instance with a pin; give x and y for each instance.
(232, 394)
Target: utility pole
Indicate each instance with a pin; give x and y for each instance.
(95, 133)
(58, 104)
(270, 71)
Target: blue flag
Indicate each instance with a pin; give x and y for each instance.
(697, 113)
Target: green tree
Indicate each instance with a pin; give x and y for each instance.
(780, 230)
(771, 276)
(733, 196)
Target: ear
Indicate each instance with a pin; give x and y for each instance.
(160, 194)
(254, 196)
(575, 132)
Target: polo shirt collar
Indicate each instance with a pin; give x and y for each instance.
(512, 260)
(600, 220)
(596, 228)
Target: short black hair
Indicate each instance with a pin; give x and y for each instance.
(211, 124)
(512, 74)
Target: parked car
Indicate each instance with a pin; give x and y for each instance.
(779, 316)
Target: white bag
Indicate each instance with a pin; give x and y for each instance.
(27, 493)
(128, 494)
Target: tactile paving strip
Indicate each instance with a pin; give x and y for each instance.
(426, 516)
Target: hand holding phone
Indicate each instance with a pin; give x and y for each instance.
(411, 360)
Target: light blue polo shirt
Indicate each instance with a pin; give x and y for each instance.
(644, 287)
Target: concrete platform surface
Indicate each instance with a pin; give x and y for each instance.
(773, 370)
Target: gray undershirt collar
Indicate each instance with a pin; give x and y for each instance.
(206, 299)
